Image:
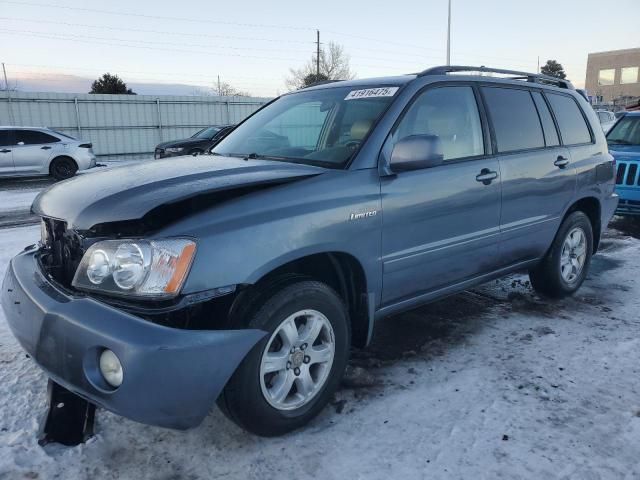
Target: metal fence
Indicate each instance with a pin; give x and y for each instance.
(123, 126)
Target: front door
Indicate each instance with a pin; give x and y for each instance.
(441, 224)
(6, 152)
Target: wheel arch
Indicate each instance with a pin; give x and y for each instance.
(592, 208)
(341, 271)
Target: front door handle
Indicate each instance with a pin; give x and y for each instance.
(45, 148)
(486, 176)
(5, 150)
(561, 161)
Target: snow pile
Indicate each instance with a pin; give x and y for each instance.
(494, 383)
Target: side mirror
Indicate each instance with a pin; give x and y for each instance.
(416, 152)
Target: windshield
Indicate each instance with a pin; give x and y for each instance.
(207, 133)
(625, 132)
(319, 127)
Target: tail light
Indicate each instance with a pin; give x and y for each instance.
(85, 145)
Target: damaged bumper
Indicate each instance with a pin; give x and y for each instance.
(171, 376)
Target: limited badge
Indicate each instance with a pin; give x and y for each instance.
(372, 93)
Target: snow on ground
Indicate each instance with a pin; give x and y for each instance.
(21, 200)
(491, 384)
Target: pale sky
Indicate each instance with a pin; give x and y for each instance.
(252, 44)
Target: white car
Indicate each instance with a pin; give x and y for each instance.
(607, 119)
(27, 151)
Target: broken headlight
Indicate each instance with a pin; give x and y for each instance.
(142, 268)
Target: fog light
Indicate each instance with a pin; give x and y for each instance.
(111, 368)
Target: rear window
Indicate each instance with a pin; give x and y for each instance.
(514, 118)
(573, 127)
(34, 137)
(549, 128)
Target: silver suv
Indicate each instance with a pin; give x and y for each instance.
(41, 151)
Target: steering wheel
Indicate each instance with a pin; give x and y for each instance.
(353, 144)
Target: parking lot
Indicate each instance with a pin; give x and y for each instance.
(491, 383)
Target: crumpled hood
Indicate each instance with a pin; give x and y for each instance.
(129, 192)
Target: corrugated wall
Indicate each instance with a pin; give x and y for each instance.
(121, 126)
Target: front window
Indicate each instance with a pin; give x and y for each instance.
(318, 127)
(607, 76)
(625, 132)
(206, 133)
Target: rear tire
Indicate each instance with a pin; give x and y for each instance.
(566, 264)
(290, 375)
(62, 168)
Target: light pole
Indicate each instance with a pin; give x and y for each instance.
(449, 36)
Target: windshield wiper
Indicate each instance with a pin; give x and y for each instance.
(619, 142)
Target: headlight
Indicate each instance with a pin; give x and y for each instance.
(143, 268)
(174, 149)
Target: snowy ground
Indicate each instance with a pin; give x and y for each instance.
(490, 384)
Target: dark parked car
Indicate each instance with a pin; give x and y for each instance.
(159, 289)
(198, 143)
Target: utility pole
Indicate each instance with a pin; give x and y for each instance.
(219, 89)
(538, 64)
(317, 54)
(449, 36)
(6, 83)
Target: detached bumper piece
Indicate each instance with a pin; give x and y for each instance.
(171, 376)
(69, 419)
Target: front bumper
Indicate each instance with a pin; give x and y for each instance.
(161, 153)
(171, 376)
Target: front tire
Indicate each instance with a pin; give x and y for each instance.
(290, 375)
(566, 264)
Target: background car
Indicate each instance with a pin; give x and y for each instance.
(27, 151)
(607, 119)
(624, 145)
(199, 143)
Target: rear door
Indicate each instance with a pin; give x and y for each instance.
(538, 180)
(6, 152)
(440, 225)
(33, 150)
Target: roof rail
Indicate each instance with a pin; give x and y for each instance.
(529, 77)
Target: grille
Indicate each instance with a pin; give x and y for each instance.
(61, 251)
(627, 174)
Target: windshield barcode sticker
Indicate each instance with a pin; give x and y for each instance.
(372, 92)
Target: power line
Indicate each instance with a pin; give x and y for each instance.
(155, 17)
(160, 32)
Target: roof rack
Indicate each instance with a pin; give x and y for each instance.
(529, 77)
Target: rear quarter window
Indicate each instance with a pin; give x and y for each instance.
(515, 119)
(572, 124)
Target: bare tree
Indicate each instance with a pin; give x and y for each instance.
(223, 89)
(227, 90)
(334, 65)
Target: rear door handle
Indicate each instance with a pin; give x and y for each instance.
(5, 150)
(486, 176)
(45, 148)
(561, 161)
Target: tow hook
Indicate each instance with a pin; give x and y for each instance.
(69, 419)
